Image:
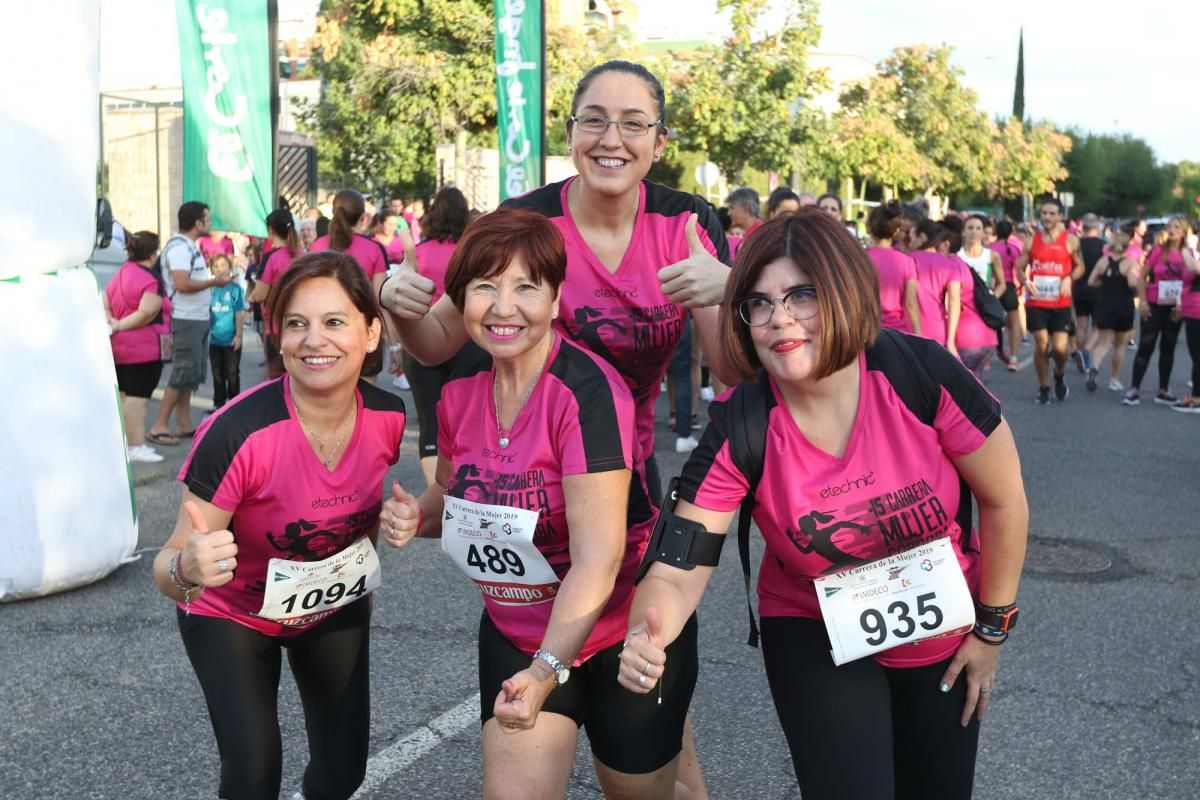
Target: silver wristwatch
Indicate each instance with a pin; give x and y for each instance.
(561, 671)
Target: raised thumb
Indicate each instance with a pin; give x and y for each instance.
(193, 512)
(654, 626)
(399, 494)
(693, 236)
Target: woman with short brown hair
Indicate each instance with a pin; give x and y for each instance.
(856, 473)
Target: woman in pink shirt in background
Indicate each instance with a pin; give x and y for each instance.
(1189, 310)
(443, 226)
(285, 248)
(349, 213)
(1009, 253)
(392, 232)
(937, 275)
(897, 272)
(139, 313)
(845, 459)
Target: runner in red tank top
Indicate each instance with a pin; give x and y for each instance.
(1045, 268)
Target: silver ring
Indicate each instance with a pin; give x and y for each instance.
(222, 566)
(641, 679)
(645, 667)
(985, 690)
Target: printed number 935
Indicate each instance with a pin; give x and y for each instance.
(875, 625)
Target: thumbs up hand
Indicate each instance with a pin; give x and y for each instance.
(644, 657)
(400, 518)
(699, 279)
(209, 557)
(408, 294)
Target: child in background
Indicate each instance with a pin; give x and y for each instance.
(227, 316)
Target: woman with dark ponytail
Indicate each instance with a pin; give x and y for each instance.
(896, 269)
(349, 214)
(285, 248)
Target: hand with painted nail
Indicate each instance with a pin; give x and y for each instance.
(980, 661)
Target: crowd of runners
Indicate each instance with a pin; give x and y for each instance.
(536, 339)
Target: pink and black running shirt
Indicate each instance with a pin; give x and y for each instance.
(893, 489)
(624, 317)
(578, 420)
(253, 459)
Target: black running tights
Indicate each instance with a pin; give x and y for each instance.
(1159, 322)
(239, 669)
(864, 731)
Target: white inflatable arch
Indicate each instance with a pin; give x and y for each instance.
(65, 486)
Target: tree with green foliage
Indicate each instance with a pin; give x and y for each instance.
(1027, 160)
(743, 103)
(921, 89)
(401, 76)
(862, 142)
(1116, 175)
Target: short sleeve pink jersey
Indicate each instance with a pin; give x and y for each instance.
(934, 272)
(623, 316)
(972, 332)
(895, 269)
(894, 488)
(578, 420)
(253, 459)
(368, 253)
(433, 258)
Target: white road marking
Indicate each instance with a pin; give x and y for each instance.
(404, 751)
(1023, 363)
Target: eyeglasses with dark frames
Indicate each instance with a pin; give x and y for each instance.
(757, 310)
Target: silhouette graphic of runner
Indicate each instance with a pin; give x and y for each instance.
(811, 539)
(464, 484)
(590, 321)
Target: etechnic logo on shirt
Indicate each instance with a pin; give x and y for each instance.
(849, 485)
(335, 500)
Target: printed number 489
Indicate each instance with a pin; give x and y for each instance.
(874, 625)
(495, 559)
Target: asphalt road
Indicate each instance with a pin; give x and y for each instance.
(1095, 697)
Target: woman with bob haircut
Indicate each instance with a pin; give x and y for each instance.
(540, 411)
(801, 310)
(248, 530)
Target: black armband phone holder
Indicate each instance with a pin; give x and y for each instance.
(679, 542)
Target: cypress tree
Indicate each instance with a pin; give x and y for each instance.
(1018, 111)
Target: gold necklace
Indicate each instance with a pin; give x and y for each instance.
(326, 460)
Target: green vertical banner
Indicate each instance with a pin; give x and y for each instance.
(225, 59)
(520, 72)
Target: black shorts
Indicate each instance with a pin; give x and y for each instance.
(628, 732)
(1083, 301)
(1009, 298)
(1055, 320)
(139, 380)
(1113, 317)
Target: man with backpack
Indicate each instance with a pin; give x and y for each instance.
(189, 284)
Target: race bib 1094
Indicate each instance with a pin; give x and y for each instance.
(303, 592)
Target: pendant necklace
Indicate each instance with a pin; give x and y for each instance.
(500, 434)
(339, 432)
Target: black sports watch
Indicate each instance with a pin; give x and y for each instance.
(999, 618)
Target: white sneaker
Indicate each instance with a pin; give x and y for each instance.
(706, 394)
(143, 454)
(401, 382)
(1115, 385)
(686, 444)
